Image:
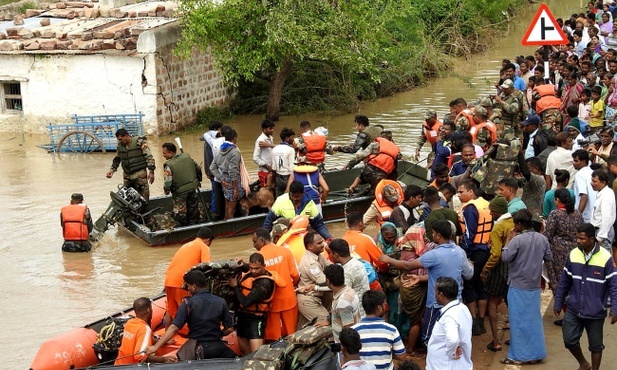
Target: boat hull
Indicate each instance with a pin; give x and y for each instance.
(338, 204)
(73, 350)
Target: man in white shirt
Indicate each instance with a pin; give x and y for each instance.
(450, 344)
(603, 215)
(560, 159)
(262, 154)
(585, 196)
(214, 139)
(350, 349)
(283, 160)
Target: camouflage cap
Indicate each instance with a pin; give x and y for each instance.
(485, 101)
(278, 230)
(479, 110)
(390, 193)
(430, 114)
(507, 84)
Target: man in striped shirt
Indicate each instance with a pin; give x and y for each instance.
(381, 342)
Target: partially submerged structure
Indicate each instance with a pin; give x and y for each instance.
(89, 58)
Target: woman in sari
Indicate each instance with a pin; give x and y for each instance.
(387, 241)
(571, 92)
(606, 27)
(558, 231)
(611, 102)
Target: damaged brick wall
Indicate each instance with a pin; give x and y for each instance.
(184, 87)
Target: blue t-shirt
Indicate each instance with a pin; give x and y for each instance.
(445, 260)
(548, 205)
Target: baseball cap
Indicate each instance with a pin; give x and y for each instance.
(479, 110)
(485, 101)
(507, 84)
(531, 120)
(390, 193)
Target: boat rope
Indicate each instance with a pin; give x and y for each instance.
(106, 332)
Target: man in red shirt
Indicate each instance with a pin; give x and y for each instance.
(189, 255)
(137, 337)
(283, 313)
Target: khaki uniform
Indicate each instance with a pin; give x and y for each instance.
(313, 304)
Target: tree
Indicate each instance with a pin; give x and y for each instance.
(247, 37)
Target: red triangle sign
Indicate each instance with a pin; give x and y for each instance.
(544, 30)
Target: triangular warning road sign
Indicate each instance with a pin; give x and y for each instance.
(544, 30)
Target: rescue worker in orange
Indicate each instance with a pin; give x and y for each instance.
(476, 223)
(380, 161)
(189, 255)
(484, 132)
(254, 293)
(388, 194)
(547, 105)
(137, 337)
(430, 132)
(283, 313)
(363, 246)
(76, 225)
(462, 115)
(311, 145)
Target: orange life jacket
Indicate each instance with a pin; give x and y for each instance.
(432, 133)
(315, 147)
(490, 126)
(385, 211)
(385, 159)
(548, 99)
(485, 220)
(467, 114)
(246, 285)
(73, 226)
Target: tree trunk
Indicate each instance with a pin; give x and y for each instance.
(277, 83)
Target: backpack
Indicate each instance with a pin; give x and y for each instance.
(307, 346)
(267, 357)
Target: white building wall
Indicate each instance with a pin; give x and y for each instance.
(55, 87)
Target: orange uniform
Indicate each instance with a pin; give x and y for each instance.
(365, 247)
(136, 338)
(189, 255)
(283, 313)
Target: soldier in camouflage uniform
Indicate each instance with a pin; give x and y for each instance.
(366, 135)
(510, 106)
(182, 180)
(482, 131)
(552, 119)
(493, 114)
(134, 155)
(463, 119)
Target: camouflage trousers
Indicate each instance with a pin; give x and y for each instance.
(188, 209)
(552, 120)
(138, 181)
(509, 131)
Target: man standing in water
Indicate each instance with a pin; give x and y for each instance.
(76, 225)
(134, 155)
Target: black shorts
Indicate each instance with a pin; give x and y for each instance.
(250, 326)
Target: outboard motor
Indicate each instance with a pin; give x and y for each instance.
(126, 204)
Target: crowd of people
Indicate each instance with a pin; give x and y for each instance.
(523, 193)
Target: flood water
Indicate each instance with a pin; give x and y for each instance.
(45, 292)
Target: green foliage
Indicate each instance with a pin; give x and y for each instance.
(21, 8)
(341, 52)
(206, 116)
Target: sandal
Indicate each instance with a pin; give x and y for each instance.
(490, 346)
(507, 343)
(505, 327)
(509, 361)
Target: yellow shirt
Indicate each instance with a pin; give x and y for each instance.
(597, 108)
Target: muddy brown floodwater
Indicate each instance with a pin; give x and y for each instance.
(45, 292)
